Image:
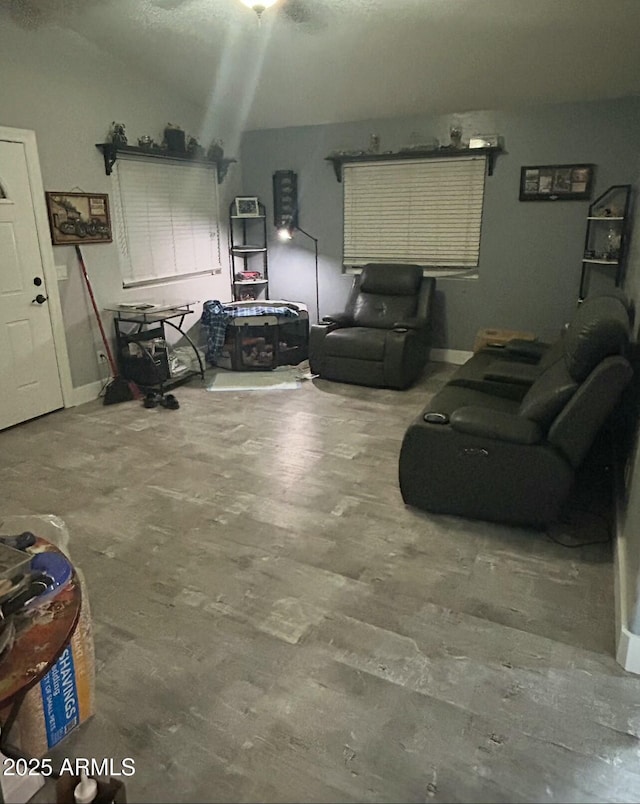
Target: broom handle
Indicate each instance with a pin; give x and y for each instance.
(107, 348)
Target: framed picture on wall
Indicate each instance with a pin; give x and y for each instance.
(76, 218)
(556, 182)
(247, 207)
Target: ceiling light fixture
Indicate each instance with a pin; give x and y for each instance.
(260, 6)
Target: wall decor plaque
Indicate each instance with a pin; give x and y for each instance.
(556, 182)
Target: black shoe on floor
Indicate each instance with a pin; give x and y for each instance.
(169, 401)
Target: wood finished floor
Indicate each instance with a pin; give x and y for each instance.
(272, 624)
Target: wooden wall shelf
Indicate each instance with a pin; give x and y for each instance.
(440, 153)
(110, 153)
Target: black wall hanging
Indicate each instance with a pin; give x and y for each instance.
(285, 199)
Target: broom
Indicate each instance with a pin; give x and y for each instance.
(118, 389)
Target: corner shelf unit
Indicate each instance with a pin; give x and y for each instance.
(606, 235)
(110, 153)
(338, 160)
(248, 255)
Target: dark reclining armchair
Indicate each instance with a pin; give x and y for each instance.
(481, 455)
(382, 337)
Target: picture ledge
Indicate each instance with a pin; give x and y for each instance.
(110, 153)
(339, 159)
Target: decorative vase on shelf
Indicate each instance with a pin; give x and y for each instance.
(174, 138)
(613, 242)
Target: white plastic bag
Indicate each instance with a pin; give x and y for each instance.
(47, 526)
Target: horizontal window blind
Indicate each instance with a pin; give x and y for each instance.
(167, 220)
(422, 211)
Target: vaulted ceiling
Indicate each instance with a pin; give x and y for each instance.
(322, 61)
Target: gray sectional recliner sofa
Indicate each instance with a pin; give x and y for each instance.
(504, 439)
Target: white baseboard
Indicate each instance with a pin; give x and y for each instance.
(86, 393)
(627, 644)
(455, 356)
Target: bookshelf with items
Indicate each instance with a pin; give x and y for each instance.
(606, 235)
(248, 249)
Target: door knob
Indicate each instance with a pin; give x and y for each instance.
(39, 299)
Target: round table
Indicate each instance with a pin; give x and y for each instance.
(42, 634)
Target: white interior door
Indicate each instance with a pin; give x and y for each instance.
(29, 378)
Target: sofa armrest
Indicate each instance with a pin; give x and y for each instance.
(526, 350)
(511, 371)
(338, 319)
(495, 424)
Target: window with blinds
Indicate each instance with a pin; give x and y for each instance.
(423, 211)
(167, 222)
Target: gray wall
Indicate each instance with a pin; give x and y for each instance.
(530, 252)
(54, 83)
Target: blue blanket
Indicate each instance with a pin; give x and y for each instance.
(216, 316)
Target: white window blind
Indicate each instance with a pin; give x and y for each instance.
(167, 220)
(422, 211)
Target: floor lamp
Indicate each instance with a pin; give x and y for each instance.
(285, 232)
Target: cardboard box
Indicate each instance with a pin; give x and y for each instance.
(499, 337)
(65, 697)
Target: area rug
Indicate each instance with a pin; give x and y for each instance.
(281, 379)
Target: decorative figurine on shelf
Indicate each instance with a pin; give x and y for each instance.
(455, 135)
(194, 149)
(609, 212)
(118, 137)
(145, 142)
(216, 151)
